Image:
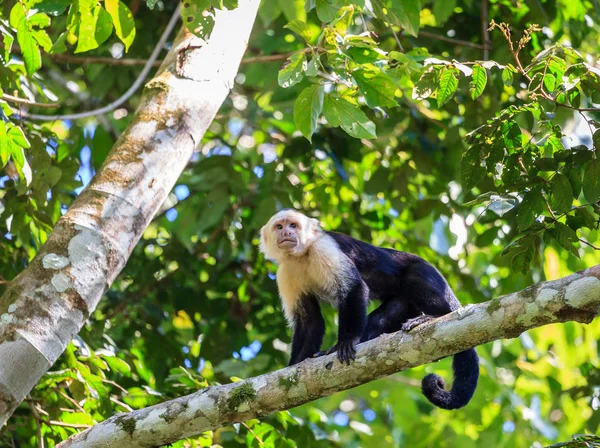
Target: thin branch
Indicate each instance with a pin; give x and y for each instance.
(463, 43)
(133, 62)
(258, 439)
(71, 400)
(17, 100)
(66, 425)
(572, 298)
(397, 38)
(589, 244)
(38, 422)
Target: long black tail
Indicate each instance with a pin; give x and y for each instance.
(466, 373)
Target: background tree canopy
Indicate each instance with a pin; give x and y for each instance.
(405, 123)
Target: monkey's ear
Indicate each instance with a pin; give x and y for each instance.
(315, 224)
(263, 234)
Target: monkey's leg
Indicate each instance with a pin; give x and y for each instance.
(429, 293)
(352, 312)
(309, 329)
(387, 318)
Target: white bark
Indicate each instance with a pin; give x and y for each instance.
(576, 298)
(46, 305)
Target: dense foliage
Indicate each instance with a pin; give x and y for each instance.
(402, 122)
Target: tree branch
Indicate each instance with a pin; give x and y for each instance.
(46, 304)
(573, 298)
(132, 62)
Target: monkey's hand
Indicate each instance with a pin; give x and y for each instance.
(346, 351)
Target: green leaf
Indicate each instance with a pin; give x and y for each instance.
(522, 260)
(124, 23)
(405, 13)
(312, 69)
(301, 29)
(574, 175)
(291, 72)
(343, 20)
(327, 9)
(340, 112)
(565, 236)
(478, 80)
(511, 132)
(17, 13)
(104, 26)
(269, 11)
(448, 85)
(4, 152)
(471, 171)
(586, 217)
(59, 45)
(39, 20)
(94, 29)
(549, 82)
(16, 134)
(29, 48)
(53, 7)
(293, 9)
(307, 109)
(591, 181)
(530, 208)
(118, 365)
(442, 10)
(546, 164)
(508, 76)
(43, 40)
(562, 193)
(426, 85)
(52, 175)
(378, 89)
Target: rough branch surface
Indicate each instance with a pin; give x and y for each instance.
(573, 298)
(46, 305)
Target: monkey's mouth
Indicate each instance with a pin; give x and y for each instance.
(287, 243)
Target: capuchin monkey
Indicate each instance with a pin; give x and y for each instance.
(318, 266)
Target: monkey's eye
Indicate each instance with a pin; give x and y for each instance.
(278, 227)
(293, 225)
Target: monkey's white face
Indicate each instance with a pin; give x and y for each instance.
(288, 233)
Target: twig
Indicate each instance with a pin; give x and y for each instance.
(66, 425)
(464, 43)
(132, 62)
(120, 403)
(397, 39)
(72, 401)
(589, 244)
(38, 421)
(258, 439)
(17, 100)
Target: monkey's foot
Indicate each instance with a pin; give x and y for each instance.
(410, 324)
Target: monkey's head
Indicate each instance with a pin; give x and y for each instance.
(288, 233)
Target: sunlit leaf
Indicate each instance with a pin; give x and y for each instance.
(307, 109)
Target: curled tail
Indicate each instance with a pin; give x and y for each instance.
(466, 373)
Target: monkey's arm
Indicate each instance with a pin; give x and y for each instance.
(309, 329)
(352, 315)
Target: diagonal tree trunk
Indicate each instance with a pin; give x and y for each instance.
(573, 298)
(46, 305)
